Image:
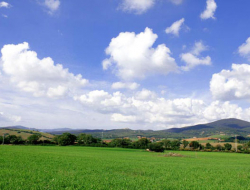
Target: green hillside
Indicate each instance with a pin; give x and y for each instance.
(225, 127)
(25, 133)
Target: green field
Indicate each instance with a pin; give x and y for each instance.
(38, 167)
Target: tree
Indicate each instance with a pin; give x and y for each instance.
(141, 143)
(85, 139)
(175, 144)
(218, 147)
(13, 139)
(185, 143)
(157, 147)
(123, 143)
(209, 146)
(194, 144)
(33, 139)
(228, 146)
(66, 139)
(56, 139)
(240, 147)
(166, 144)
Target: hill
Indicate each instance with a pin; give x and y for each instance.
(24, 132)
(227, 127)
(224, 127)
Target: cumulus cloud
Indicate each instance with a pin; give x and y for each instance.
(41, 77)
(52, 5)
(146, 107)
(193, 59)
(10, 118)
(232, 84)
(136, 6)
(123, 118)
(210, 10)
(4, 4)
(175, 27)
(122, 85)
(219, 110)
(145, 94)
(132, 56)
(244, 49)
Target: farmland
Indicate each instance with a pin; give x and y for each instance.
(72, 167)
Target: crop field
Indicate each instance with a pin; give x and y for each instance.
(52, 167)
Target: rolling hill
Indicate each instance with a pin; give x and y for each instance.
(24, 132)
(227, 127)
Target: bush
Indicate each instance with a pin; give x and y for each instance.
(194, 144)
(228, 146)
(156, 147)
(66, 139)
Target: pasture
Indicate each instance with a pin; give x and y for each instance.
(52, 167)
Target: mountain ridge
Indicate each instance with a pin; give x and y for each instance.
(230, 126)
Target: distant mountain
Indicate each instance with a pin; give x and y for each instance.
(19, 127)
(229, 127)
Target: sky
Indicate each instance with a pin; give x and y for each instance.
(109, 64)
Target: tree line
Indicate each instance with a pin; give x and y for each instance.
(144, 143)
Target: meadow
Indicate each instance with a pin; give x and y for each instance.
(73, 167)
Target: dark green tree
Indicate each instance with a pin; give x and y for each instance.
(209, 146)
(185, 143)
(228, 146)
(33, 139)
(86, 139)
(66, 139)
(13, 139)
(218, 147)
(166, 144)
(156, 147)
(175, 144)
(240, 147)
(141, 143)
(194, 144)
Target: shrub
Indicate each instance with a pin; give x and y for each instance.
(156, 147)
(228, 146)
(194, 144)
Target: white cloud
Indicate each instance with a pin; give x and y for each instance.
(121, 85)
(123, 118)
(210, 10)
(52, 5)
(232, 85)
(147, 109)
(175, 27)
(5, 16)
(132, 56)
(218, 110)
(4, 4)
(145, 95)
(244, 49)
(7, 117)
(41, 77)
(177, 2)
(192, 58)
(137, 6)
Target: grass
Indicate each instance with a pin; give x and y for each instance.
(37, 167)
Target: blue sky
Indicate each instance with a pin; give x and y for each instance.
(168, 63)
